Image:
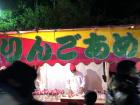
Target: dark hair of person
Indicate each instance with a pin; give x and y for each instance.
(17, 81)
(125, 68)
(90, 97)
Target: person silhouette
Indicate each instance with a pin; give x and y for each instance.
(17, 85)
(122, 89)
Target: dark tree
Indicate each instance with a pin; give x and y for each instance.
(28, 14)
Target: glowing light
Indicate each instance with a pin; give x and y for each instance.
(131, 27)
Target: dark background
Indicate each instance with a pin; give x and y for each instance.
(31, 14)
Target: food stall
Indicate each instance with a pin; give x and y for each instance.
(94, 51)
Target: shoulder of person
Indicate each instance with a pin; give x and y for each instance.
(112, 84)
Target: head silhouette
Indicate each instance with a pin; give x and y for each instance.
(90, 97)
(20, 76)
(125, 67)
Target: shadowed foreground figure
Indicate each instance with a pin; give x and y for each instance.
(90, 97)
(17, 85)
(124, 87)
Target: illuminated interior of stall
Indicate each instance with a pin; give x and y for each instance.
(50, 84)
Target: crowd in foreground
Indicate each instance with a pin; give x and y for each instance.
(17, 85)
(124, 86)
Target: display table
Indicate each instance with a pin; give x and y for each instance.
(65, 100)
(55, 103)
(80, 100)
